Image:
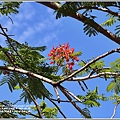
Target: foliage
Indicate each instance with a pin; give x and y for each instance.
(70, 8)
(7, 8)
(47, 112)
(27, 58)
(90, 99)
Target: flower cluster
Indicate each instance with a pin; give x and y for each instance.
(63, 53)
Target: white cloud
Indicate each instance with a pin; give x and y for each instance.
(26, 34)
(27, 24)
(26, 13)
(48, 38)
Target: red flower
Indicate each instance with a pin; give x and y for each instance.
(64, 53)
(67, 60)
(52, 62)
(75, 58)
(72, 63)
(72, 50)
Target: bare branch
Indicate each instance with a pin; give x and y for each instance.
(85, 85)
(70, 93)
(82, 18)
(27, 73)
(94, 76)
(81, 86)
(57, 94)
(88, 64)
(72, 102)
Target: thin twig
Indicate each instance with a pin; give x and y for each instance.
(114, 112)
(85, 85)
(57, 94)
(81, 86)
(64, 100)
(70, 93)
(94, 76)
(12, 45)
(100, 9)
(18, 100)
(9, 57)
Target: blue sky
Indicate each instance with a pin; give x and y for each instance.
(36, 24)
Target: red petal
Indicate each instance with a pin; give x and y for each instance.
(52, 62)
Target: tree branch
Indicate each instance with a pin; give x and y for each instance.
(27, 73)
(100, 9)
(72, 102)
(82, 18)
(94, 76)
(88, 64)
(65, 100)
(114, 112)
(9, 57)
(70, 93)
(9, 41)
(57, 93)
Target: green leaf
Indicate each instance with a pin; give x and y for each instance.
(89, 30)
(50, 112)
(109, 22)
(17, 87)
(92, 103)
(43, 105)
(110, 86)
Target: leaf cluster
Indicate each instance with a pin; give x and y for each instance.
(70, 8)
(95, 67)
(28, 58)
(47, 112)
(91, 98)
(7, 8)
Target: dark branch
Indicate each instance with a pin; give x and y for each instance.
(33, 99)
(100, 9)
(72, 102)
(83, 19)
